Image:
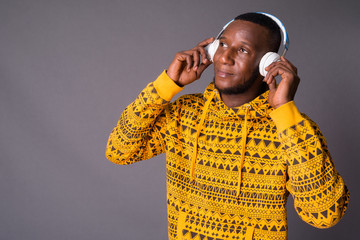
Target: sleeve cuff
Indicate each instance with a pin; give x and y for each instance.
(166, 87)
(286, 116)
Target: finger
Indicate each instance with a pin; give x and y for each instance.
(189, 62)
(202, 68)
(206, 42)
(272, 85)
(196, 59)
(269, 76)
(279, 65)
(289, 64)
(203, 54)
(275, 71)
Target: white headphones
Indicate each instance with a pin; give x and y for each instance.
(268, 58)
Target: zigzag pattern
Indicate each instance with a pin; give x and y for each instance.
(207, 208)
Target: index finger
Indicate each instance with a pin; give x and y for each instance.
(206, 42)
(285, 60)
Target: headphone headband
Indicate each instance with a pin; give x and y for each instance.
(223, 29)
(286, 41)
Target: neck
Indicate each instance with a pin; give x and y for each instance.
(236, 100)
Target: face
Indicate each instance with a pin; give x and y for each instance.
(237, 58)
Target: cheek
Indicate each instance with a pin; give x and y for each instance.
(242, 67)
(216, 57)
(248, 65)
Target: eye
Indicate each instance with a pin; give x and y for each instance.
(222, 44)
(243, 50)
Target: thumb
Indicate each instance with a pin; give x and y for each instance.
(202, 68)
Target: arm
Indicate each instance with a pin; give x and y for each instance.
(320, 194)
(139, 133)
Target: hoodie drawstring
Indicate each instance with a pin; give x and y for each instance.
(243, 144)
(243, 140)
(202, 119)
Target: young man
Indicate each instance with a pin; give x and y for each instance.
(235, 152)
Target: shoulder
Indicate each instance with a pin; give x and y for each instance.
(188, 102)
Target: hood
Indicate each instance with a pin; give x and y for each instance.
(257, 108)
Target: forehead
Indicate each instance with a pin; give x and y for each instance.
(245, 31)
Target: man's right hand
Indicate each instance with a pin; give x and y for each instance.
(186, 66)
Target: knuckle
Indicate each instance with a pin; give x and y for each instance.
(196, 49)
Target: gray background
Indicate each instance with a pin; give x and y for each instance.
(69, 67)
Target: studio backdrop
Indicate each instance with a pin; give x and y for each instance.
(68, 68)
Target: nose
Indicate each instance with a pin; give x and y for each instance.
(227, 57)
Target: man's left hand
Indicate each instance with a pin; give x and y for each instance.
(285, 91)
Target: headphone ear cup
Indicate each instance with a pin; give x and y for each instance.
(211, 49)
(266, 60)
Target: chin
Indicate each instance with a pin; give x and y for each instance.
(224, 87)
(232, 90)
(223, 83)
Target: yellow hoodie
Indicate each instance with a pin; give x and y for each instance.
(230, 170)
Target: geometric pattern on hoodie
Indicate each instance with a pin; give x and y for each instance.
(275, 164)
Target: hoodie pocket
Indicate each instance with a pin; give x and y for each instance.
(192, 226)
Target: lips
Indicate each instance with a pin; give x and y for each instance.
(223, 73)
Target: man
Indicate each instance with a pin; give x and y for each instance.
(235, 152)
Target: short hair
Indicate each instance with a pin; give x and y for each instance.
(266, 22)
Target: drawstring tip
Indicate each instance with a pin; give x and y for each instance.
(238, 194)
(192, 170)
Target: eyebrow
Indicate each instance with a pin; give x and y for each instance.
(245, 43)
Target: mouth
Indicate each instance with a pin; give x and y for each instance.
(223, 74)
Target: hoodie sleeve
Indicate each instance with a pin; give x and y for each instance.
(320, 194)
(139, 133)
